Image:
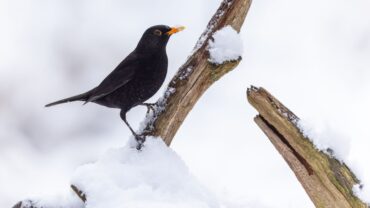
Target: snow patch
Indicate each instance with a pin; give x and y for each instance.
(152, 177)
(326, 139)
(159, 107)
(185, 73)
(208, 31)
(225, 46)
(362, 192)
(334, 144)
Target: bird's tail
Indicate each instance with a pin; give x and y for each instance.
(80, 97)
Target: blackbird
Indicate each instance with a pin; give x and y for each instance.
(137, 78)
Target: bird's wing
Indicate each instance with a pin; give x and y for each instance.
(120, 76)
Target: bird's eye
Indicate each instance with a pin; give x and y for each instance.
(157, 32)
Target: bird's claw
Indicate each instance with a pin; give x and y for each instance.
(150, 106)
(140, 139)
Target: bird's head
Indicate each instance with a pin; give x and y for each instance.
(156, 37)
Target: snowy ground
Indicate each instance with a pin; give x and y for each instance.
(152, 177)
(313, 56)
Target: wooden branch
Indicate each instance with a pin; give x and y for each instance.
(196, 75)
(327, 181)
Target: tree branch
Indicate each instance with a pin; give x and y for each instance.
(196, 75)
(327, 181)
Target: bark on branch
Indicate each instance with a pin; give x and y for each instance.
(327, 181)
(196, 75)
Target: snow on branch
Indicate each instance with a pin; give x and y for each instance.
(225, 46)
(328, 181)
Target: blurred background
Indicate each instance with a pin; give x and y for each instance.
(312, 55)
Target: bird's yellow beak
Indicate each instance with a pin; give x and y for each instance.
(175, 30)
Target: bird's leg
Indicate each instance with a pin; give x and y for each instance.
(150, 106)
(139, 139)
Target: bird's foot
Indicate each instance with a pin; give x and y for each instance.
(150, 106)
(140, 139)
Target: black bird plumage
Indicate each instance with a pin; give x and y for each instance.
(137, 78)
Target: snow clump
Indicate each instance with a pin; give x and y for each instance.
(225, 46)
(331, 142)
(326, 139)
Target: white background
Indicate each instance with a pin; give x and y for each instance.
(312, 55)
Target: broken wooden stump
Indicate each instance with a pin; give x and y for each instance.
(327, 181)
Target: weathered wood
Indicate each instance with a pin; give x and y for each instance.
(327, 181)
(195, 76)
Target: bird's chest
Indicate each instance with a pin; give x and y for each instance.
(150, 78)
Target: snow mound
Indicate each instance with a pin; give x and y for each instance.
(225, 46)
(152, 177)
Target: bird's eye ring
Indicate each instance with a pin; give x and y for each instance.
(157, 32)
